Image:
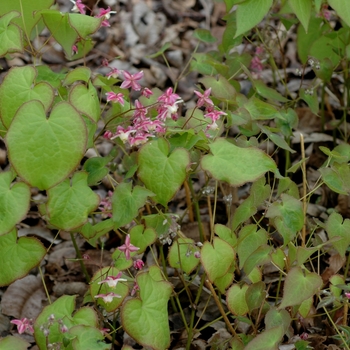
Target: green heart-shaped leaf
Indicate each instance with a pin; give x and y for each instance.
(14, 343)
(217, 258)
(66, 28)
(62, 309)
(275, 317)
(336, 226)
(146, 318)
(267, 340)
(299, 285)
(287, 216)
(29, 10)
(10, 35)
(121, 288)
(127, 201)
(45, 151)
(70, 194)
(181, 255)
(14, 201)
(250, 239)
(19, 87)
(236, 165)
(85, 100)
(87, 337)
(161, 172)
(236, 299)
(18, 257)
(142, 237)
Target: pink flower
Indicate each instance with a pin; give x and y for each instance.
(23, 325)
(105, 62)
(139, 264)
(304, 336)
(123, 134)
(204, 99)
(74, 49)
(197, 254)
(325, 13)
(113, 73)
(130, 80)
(146, 92)
(106, 13)
(214, 115)
(78, 7)
(256, 64)
(127, 247)
(63, 328)
(347, 295)
(168, 97)
(106, 205)
(168, 111)
(112, 281)
(108, 298)
(113, 97)
(108, 135)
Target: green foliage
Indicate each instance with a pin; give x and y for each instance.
(145, 318)
(236, 134)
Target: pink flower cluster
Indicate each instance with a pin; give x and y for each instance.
(103, 13)
(143, 127)
(210, 111)
(256, 65)
(106, 205)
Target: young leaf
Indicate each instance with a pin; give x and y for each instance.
(287, 216)
(96, 169)
(236, 299)
(18, 256)
(249, 14)
(259, 192)
(299, 285)
(337, 177)
(217, 258)
(127, 201)
(255, 295)
(14, 201)
(19, 87)
(54, 148)
(161, 172)
(302, 9)
(181, 255)
(145, 318)
(336, 226)
(71, 193)
(236, 165)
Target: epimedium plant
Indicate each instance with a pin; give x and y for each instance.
(49, 120)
